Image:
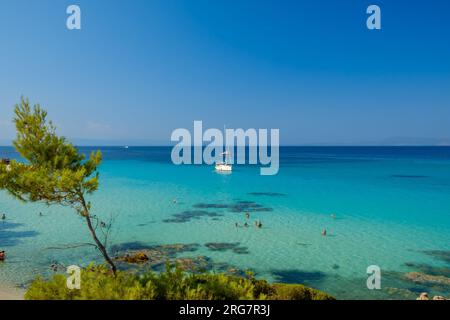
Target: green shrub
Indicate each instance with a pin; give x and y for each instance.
(297, 292)
(97, 283)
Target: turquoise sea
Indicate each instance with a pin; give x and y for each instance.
(391, 207)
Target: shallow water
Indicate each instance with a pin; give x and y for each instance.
(391, 204)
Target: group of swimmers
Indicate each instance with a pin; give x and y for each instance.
(257, 223)
(3, 253)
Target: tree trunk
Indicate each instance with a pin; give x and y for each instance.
(99, 244)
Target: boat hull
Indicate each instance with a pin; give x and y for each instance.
(223, 167)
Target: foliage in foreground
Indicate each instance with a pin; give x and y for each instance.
(97, 283)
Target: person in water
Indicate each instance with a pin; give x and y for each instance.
(3, 216)
(247, 215)
(246, 225)
(2, 255)
(324, 232)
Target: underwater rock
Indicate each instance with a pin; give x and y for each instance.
(159, 256)
(428, 269)
(196, 264)
(423, 278)
(423, 296)
(399, 292)
(138, 257)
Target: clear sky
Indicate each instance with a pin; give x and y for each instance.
(139, 69)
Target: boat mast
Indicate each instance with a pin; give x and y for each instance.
(226, 152)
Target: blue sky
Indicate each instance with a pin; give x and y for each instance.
(139, 69)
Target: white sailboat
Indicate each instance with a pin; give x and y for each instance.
(224, 166)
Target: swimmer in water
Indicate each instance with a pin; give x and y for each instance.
(324, 232)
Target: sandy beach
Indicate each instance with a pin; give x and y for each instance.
(11, 293)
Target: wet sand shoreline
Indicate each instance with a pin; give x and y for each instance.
(11, 293)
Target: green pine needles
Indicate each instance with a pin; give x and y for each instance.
(53, 171)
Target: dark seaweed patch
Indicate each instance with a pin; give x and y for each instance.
(210, 206)
(248, 206)
(145, 223)
(335, 266)
(408, 176)
(174, 249)
(239, 206)
(298, 276)
(267, 194)
(189, 215)
(303, 244)
(226, 246)
(9, 237)
(443, 255)
(125, 246)
(156, 251)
